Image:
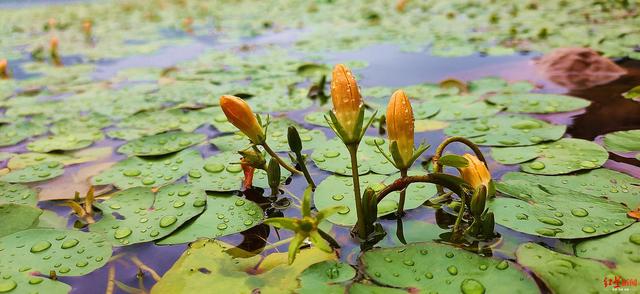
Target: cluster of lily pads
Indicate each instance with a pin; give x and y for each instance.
(176, 177)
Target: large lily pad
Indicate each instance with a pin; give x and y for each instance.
(222, 172)
(11, 134)
(209, 264)
(140, 215)
(149, 171)
(506, 130)
(559, 157)
(565, 273)
(338, 191)
(224, 215)
(67, 252)
(17, 194)
(601, 182)
(433, 267)
(538, 103)
(161, 144)
(623, 141)
(334, 157)
(35, 173)
(556, 212)
(326, 277)
(65, 142)
(17, 217)
(622, 247)
(23, 160)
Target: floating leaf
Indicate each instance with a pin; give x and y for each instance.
(556, 212)
(11, 134)
(564, 273)
(334, 157)
(149, 171)
(17, 217)
(140, 215)
(633, 93)
(224, 215)
(87, 123)
(23, 160)
(326, 277)
(358, 288)
(559, 157)
(65, 142)
(19, 282)
(623, 141)
(506, 130)
(17, 194)
(538, 103)
(209, 264)
(450, 270)
(463, 107)
(161, 144)
(34, 173)
(67, 252)
(622, 247)
(601, 182)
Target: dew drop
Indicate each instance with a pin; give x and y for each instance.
(635, 238)
(502, 265)
(167, 220)
(131, 172)
(337, 197)
(579, 212)
(70, 243)
(452, 270)
(588, 229)
(550, 221)
(7, 285)
(213, 167)
(40, 246)
(471, 286)
(122, 233)
(537, 165)
(331, 154)
(222, 226)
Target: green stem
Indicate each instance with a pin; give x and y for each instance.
(353, 151)
(403, 192)
(280, 161)
(276, 244)
(438, 167)
(456, 226)
(305, 171)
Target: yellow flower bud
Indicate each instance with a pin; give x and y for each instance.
(346, 98)
(4, 71)
(239, 114)
(476, 174)
(400, 125)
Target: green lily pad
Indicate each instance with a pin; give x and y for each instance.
(150, 171)
(622, 247)
(92, 121)
(222, 173)
(564, 273)
(601, 182)
(23, 160)
(538, 103)
(427, 91)
(6, 155)
(17, 194)
(65, 142)
(633, 93)
(334, 157)
(155, 122)
(67, 252)
(139, 215)
(161, 144)
(19, 282)
(276, 138)
(224, 215)
(11, 134)
(506, 130)
(326, 277)
(556, 212)
(358, 288)
(487, 85)
(463, 107)
(338, 191)
(623, 141)
(35, 173)
(210, 264)
(17, 217)
(559, 157)
(450, 270)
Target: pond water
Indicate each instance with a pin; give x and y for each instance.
(387, 65)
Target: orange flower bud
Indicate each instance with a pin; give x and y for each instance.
(476, 174)
(239, 114)
(346, 98)
(400, 125)
(53, 44)
(4, 71)
(86, 26)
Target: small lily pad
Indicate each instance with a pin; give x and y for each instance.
(556, 212)
(506, 130)
(139, 215)
(326, 277)
(601, 182)
(623, 141)
(67, 252)
(161, 144)
(92, 121)
(224, 215)
(538, 103)
(35, 173)
(463, 107)
(17, 217)
(559, 157)
(449, 270)
(564, 273)
(334, 157)
(20, 282)
(150, 171)
(64, 142)
(11, 134)
(17, 194)
(23, 160)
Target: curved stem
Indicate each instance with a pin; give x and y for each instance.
(438, 167)
(280, 161)
(402, 183)
(353, 151)
(456, 226)
(305, 171)
(403, 193)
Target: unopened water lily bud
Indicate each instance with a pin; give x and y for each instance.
(476, 173)
(4, 69)
(400, 128)
(239, 114)
(295, 143)
(346, 99)
(273, 174)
